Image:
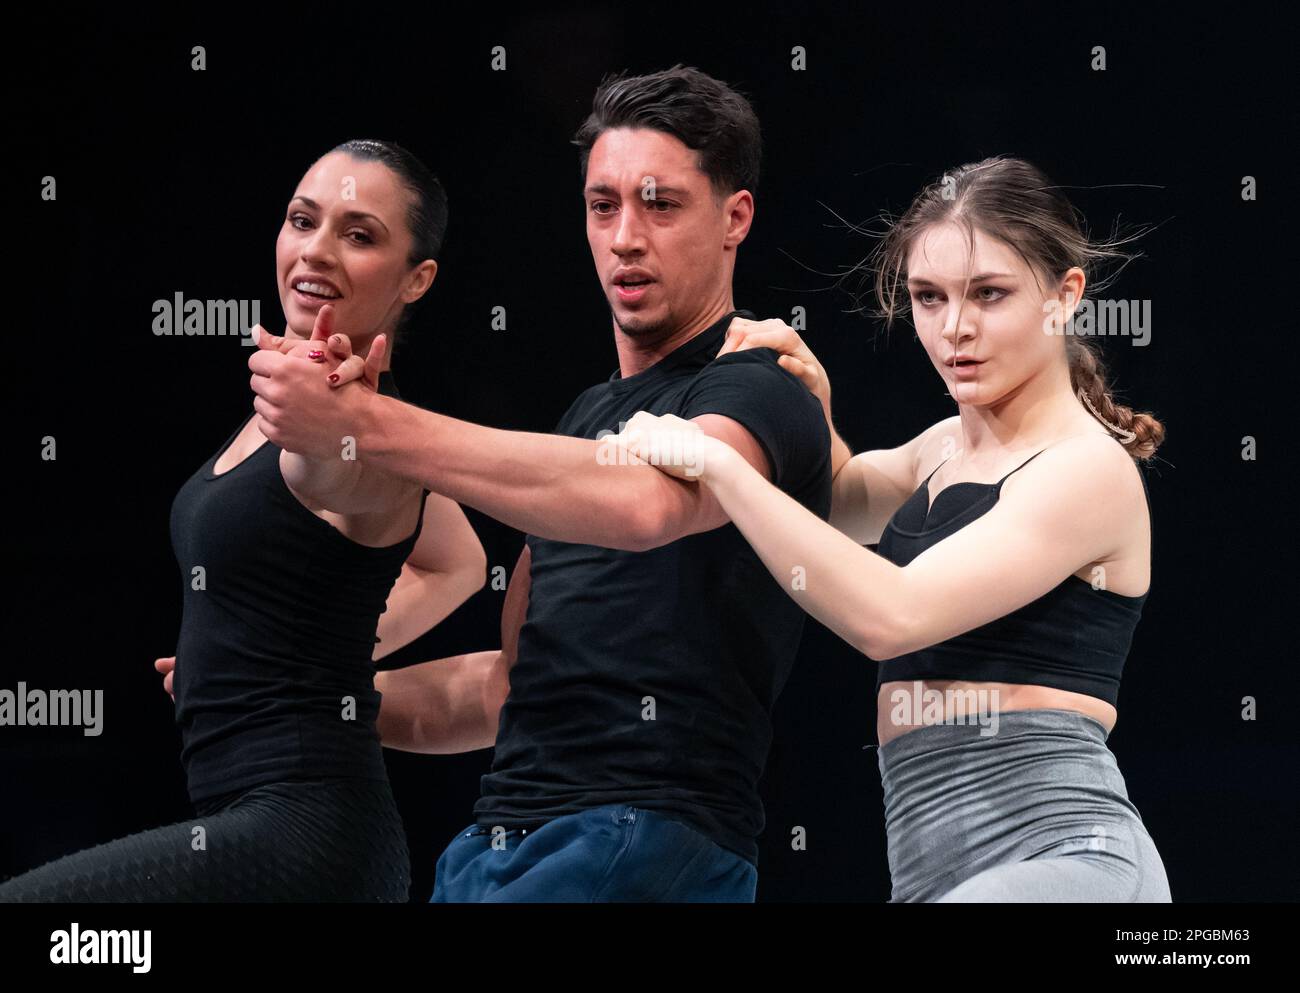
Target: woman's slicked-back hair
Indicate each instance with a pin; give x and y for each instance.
(426, 215)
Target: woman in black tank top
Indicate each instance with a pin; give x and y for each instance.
(286, 565)
(1023, 570)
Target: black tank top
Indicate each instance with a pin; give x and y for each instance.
(274, 678)
(1073, 637)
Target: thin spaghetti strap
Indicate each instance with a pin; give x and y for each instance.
(933, 471)
(1021, 466)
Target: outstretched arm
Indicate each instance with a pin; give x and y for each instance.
(566, 489)
(1056, 519)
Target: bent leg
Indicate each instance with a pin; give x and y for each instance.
(150, 866)
(296, 841)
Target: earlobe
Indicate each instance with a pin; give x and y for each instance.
(741, 213)
(421, 282)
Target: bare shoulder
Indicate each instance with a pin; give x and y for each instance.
(1088, 482)
(1092, 462)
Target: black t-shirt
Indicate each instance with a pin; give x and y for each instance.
(649, 678)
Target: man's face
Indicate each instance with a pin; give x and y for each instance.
(663, 244)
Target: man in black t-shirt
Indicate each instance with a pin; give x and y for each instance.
(644, 643)
(648, 677)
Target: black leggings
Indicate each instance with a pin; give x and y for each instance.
(296, 841)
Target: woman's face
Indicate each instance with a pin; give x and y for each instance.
(1001, 325)
(346, 241)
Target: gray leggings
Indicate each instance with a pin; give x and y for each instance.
(1037, 812)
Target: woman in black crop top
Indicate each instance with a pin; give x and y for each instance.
(286, 564)
(1012, 551)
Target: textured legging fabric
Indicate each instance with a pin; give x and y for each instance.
(297, 841)
(1037, 812)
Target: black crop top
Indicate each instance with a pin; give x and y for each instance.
(274, 678)
(1073, 637)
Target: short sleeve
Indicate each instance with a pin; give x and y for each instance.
(564, 426)
(773, 406)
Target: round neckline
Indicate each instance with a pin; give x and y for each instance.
(683, 353)
(212, 475)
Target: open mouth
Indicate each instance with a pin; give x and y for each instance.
(316, 291)
(631, 288)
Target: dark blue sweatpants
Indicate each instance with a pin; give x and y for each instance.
(604, 855)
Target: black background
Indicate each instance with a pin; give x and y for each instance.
(175, 180)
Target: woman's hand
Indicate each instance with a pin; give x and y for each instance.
(678, 447)
(795, 356)
(317, 480)
(320, 347)
(167, 668)
(354, 366)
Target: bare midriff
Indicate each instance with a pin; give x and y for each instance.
(898, 709)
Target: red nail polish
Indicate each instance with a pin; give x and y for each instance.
(334, 377)
(315, 353)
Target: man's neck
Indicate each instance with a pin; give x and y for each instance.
(637, 354)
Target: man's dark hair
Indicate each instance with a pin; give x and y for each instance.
(704, 114)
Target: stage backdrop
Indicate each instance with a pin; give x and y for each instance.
(172, 179)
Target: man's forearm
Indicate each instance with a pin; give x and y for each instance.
(547, 485)
(442, 707)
